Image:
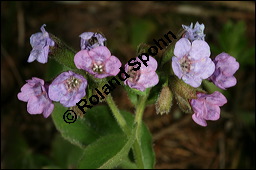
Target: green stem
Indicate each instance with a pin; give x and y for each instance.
(138, 154)
(120, 119)
(140, 109)
(138, 119)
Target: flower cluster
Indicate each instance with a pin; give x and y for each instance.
(69, 88)
(192, 63)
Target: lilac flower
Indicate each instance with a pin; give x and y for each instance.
(98, 62)
(35, 93)
(192, 62)
(68, 88)
(196, 33)
(225, 68)
(90, 40)
(40, 43)
(206, 107)
(143, 78)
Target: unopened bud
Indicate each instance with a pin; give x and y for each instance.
(183, 93)
(164, 101)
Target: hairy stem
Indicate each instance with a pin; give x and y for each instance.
(120, 119)
(138, 119)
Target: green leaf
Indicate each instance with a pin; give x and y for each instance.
(127, 164)
(97, 122)
(145, 143)
(107, 152)
(147, 148)
(53, 69)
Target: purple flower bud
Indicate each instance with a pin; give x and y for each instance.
(225, 68)
(196, 33)
(35, 93)
(40, 43)
(143, 78)
(206, 107)
(192, 62)
(90, 40)
(99, 62)
(68, 88)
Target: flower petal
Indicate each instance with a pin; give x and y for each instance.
(176, 67)
(182, 48)
(193, 81)
(83, 60)
(216, 98)
(199, 120)
(100, 53)
(200, 49)
(48, 110)
(213, 112)
(35, 105)
(112, 66)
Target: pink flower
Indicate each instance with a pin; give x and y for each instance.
(40, 43)
(35, 93)
(68, 88)
(207, 107)
(192, 62)
(144, 77)
(225, 68)
(98, 61)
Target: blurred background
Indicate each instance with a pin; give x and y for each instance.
(33, 142)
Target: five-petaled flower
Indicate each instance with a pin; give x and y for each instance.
(40, 43)
(192, 62)
(144, 77)
(196, 33)
(35, 93)
(90, 40)
(225, 68)
(68, 88)
(207, 107)
(98, 61)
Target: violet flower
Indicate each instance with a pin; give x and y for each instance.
(98, 61)
(143, 78)
(207, 107)
(192, 62)
(68, 88)
(225, 68)
(90, 40)
(35, 93)
(40, 43)
(196, 33)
